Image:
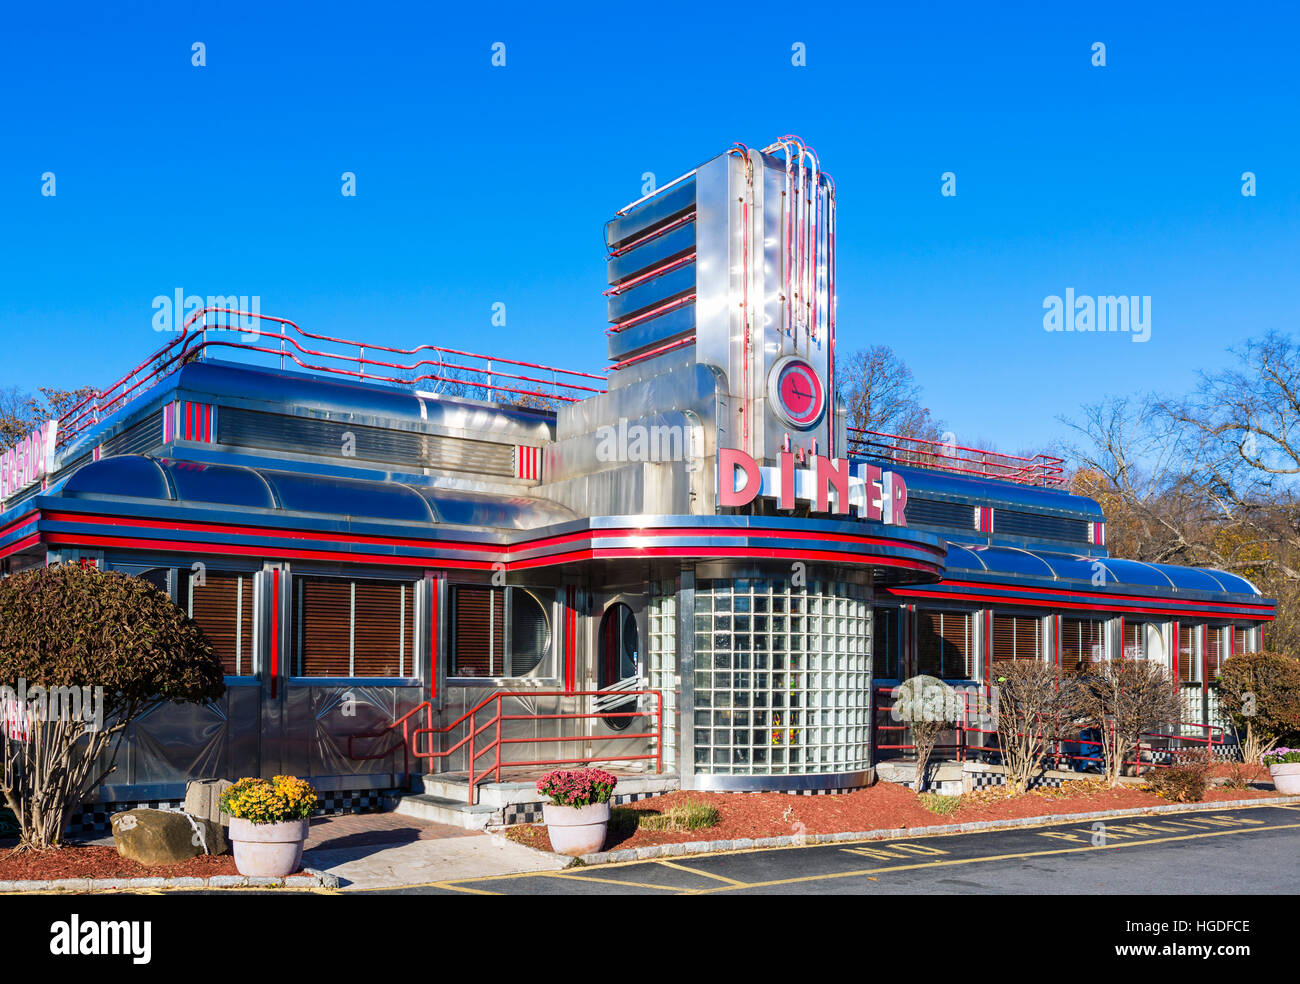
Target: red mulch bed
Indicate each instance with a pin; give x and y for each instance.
(882, 806)
(103, 862)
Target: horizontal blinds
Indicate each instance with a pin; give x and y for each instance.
(324, 628)
(355, 628)
(1213, 652)
(944, 644)
(384, 629)
(1082, 643)
(479, 614)
(222, 606)
(1238, 641)
(884, 643)
(1134, 645)
(1016, 637)
(1186, 655)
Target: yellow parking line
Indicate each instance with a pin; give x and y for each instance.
(702, 874)
(449, 886)
(610, 881)
(995, 857)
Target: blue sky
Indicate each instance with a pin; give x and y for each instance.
(478, 184)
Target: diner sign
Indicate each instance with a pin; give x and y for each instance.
(833, 485)
(29, 460)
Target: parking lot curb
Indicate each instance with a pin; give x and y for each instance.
(897, 833)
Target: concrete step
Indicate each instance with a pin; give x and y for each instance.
(499, 795)
(441, 809)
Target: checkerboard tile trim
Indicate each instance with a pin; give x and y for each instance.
(95, 819)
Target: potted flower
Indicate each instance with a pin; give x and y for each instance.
(268, 824)
(577, 813)
(1284, 766)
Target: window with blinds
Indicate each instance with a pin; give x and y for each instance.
(1213, 652)
(1016, 637)
(222, 606)
(481, 646)
(885, 644)
(347, 628)
(1083, 644)
(1133, 645)
(945, 644)
(1240, 640)
(1187, 668)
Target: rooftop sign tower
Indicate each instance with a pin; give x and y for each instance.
(721, 303)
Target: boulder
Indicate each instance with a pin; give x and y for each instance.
(203, 799)
(161, 837)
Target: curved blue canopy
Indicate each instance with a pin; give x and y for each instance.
(199, 483)
(1017, 562)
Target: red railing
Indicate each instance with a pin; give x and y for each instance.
(963, 747)
(497, 743)
(490, 377)
(1041, 469)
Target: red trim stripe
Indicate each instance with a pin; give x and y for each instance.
(1030, 590)
(434, 638)
(1113, 605)
(181, 525)
(570, 642)
(275, 632)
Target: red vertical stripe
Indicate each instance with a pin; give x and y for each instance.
(570, 640)
(189, 420)
(275, 633)
(1173, 629)
(435, 593)
(207, 423)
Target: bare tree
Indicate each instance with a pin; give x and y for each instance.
(1209, 479)
(1035, 704)
(1123, 700)
(881, 394)
(21, 413)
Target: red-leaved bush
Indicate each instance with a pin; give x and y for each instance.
(577, 787)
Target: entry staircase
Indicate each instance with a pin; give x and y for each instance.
(499, 782)
(443, 797)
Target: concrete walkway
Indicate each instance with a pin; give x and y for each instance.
(370, 851)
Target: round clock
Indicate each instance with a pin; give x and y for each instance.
(796, 392)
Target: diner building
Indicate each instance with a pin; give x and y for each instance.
(424, 562)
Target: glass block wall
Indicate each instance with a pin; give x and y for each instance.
(782, 677)
(661, 618)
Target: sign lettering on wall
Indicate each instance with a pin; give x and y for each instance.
(832, 485)
(29, 460)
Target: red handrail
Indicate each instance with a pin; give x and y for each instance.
(566, 385)
(1215, 736)
(1041, 469)
(474, 752)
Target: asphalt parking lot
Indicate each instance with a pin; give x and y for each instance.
(1212, 852)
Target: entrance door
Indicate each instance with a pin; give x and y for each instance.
(618, 665)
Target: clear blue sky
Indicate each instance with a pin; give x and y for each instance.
(479, 184)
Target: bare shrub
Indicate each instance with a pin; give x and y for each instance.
(1035, 704)
(1123, 699)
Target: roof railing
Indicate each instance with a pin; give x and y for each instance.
(491, 377)
(1041, 469)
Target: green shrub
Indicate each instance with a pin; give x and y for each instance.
(105, 647)
(940, 804)
(688, 815)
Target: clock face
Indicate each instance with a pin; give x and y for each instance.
(797, 392)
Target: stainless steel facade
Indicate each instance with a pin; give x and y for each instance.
(599, 507)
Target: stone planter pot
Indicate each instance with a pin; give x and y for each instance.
(268, 850)
(576, 830)
(1286, 778)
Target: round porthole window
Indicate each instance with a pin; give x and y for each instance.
(619, 660)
